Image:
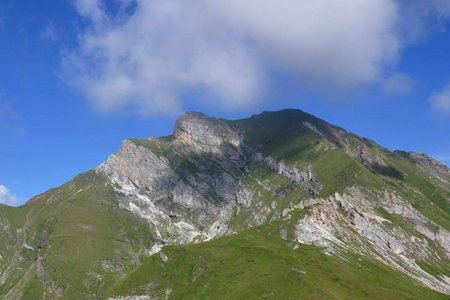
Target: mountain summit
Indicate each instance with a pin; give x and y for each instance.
(280, 205)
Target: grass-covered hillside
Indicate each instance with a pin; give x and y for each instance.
(260, 264)
(72, 242)
(281, 205)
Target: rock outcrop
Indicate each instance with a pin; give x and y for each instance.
(212, 177)
(190, 186)
(354, 221)
(188, 190)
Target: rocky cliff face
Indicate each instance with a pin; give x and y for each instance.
(370, 223)
(191, 186)
(215, 177)
(187, 187)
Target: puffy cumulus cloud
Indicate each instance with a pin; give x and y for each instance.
(440, 102)
(154, 55)
(341, 43)
(398, 84)
(6, 197)
(157, 55)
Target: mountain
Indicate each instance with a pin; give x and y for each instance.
(281, 205)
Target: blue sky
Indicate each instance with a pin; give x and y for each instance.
(77, 77)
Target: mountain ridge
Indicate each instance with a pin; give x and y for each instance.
(212, 178)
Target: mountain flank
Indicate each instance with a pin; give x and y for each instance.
(281, 205)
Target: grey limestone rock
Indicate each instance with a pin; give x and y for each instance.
(191, 186)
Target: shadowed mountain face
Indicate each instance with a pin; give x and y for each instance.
(280, 205)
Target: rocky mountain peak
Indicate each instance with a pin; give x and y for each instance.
(297, 178)
(197, 128)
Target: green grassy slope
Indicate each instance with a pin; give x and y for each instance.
(81, 238)
(258, 264)
(84, 243)
(424, 193)
(284, 136)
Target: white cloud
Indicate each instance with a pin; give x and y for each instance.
(398, 84)
(6, 197)
(440, 102)
(153, 56)
(91, 9)
(226, 50)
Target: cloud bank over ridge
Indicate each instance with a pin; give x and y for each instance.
(151, 55)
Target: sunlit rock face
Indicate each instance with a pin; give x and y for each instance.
(213, 177)
(191, 187)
